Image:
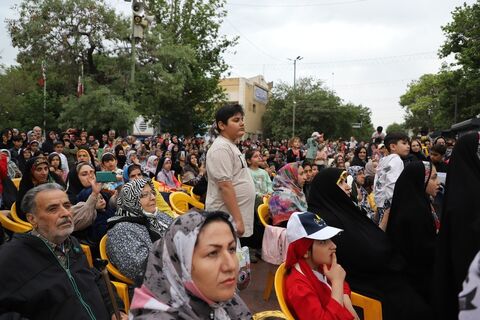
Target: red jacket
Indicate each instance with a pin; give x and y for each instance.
(306, 304)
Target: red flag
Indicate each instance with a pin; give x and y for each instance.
(41, 81)
(80, 88)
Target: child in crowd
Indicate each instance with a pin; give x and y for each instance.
(261, 179)
(315, 286)
(437, 155)
(263, 187)
(388, 171)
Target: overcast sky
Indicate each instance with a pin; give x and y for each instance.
(365, 50)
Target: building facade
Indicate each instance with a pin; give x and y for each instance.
(252, 94)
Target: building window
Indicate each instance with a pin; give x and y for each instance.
(254, 108)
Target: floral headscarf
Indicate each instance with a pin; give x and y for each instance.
(288, 195)
(85, 152)
(168, 286)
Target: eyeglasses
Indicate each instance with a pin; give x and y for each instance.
(146, 194)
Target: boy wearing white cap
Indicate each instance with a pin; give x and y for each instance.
(315, 286)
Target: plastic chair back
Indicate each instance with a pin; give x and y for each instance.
(275, 314)
(280, 291)
(88, 253)
(122, 291)
(110, 267)
(13, 226)
(180, 202)
(16, 218)
(263, 214)
(16, 182)
(372, 309)
(194, 196)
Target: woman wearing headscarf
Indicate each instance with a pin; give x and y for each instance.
(459, 239)
(166, 176)
(192, 272)
(13, 171)
(414, 225)
(371, 168)
(192, 173)
(36, 173)
(359, 194)
(360, 157)
(136, 225)
(287, 196)
(55, 163)
(151, 166)
(416, 153)
(120, 155)
(363, 249)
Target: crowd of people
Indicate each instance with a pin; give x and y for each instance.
(394, 218)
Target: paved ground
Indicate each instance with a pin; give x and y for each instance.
(253, 295)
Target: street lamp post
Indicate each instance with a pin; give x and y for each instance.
(294, 90)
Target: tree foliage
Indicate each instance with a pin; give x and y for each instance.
(178, 65)
(181, 64)
(430, 101)
(101, 107)
(316, 109)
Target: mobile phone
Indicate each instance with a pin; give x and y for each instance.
(106, 176)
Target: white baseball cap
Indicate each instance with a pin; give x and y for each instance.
(309, 225)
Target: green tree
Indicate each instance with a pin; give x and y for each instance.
(98, 111)
(181, 62)
(317, 108)
(452, 95)
(396, 127)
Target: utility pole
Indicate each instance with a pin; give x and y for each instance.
(294, 90)
(44, 76)
(456, 109)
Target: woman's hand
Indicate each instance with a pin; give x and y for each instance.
(96, 187)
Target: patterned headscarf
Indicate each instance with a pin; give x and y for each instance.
(168, 286)
(354, 170)
(287, 196)
(128, 204)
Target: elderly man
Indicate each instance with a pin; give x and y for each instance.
(44, 273)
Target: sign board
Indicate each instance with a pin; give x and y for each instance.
(142, 127)
(356, 125)
(260, 94)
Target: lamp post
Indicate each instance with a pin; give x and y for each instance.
(294, 90)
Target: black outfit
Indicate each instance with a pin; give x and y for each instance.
(121, 159)
(47, 146)
(364, 250)
(459, 236)
(356, 161)
(416, 156)
(411, 228)
(27, 183)
(291, 157)
(35, 285)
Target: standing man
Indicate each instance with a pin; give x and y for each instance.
(379, 134)
(45, 274)
(230, 185)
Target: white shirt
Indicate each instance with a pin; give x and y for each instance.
(388, 171)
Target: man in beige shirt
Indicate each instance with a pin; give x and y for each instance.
(230, 186)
